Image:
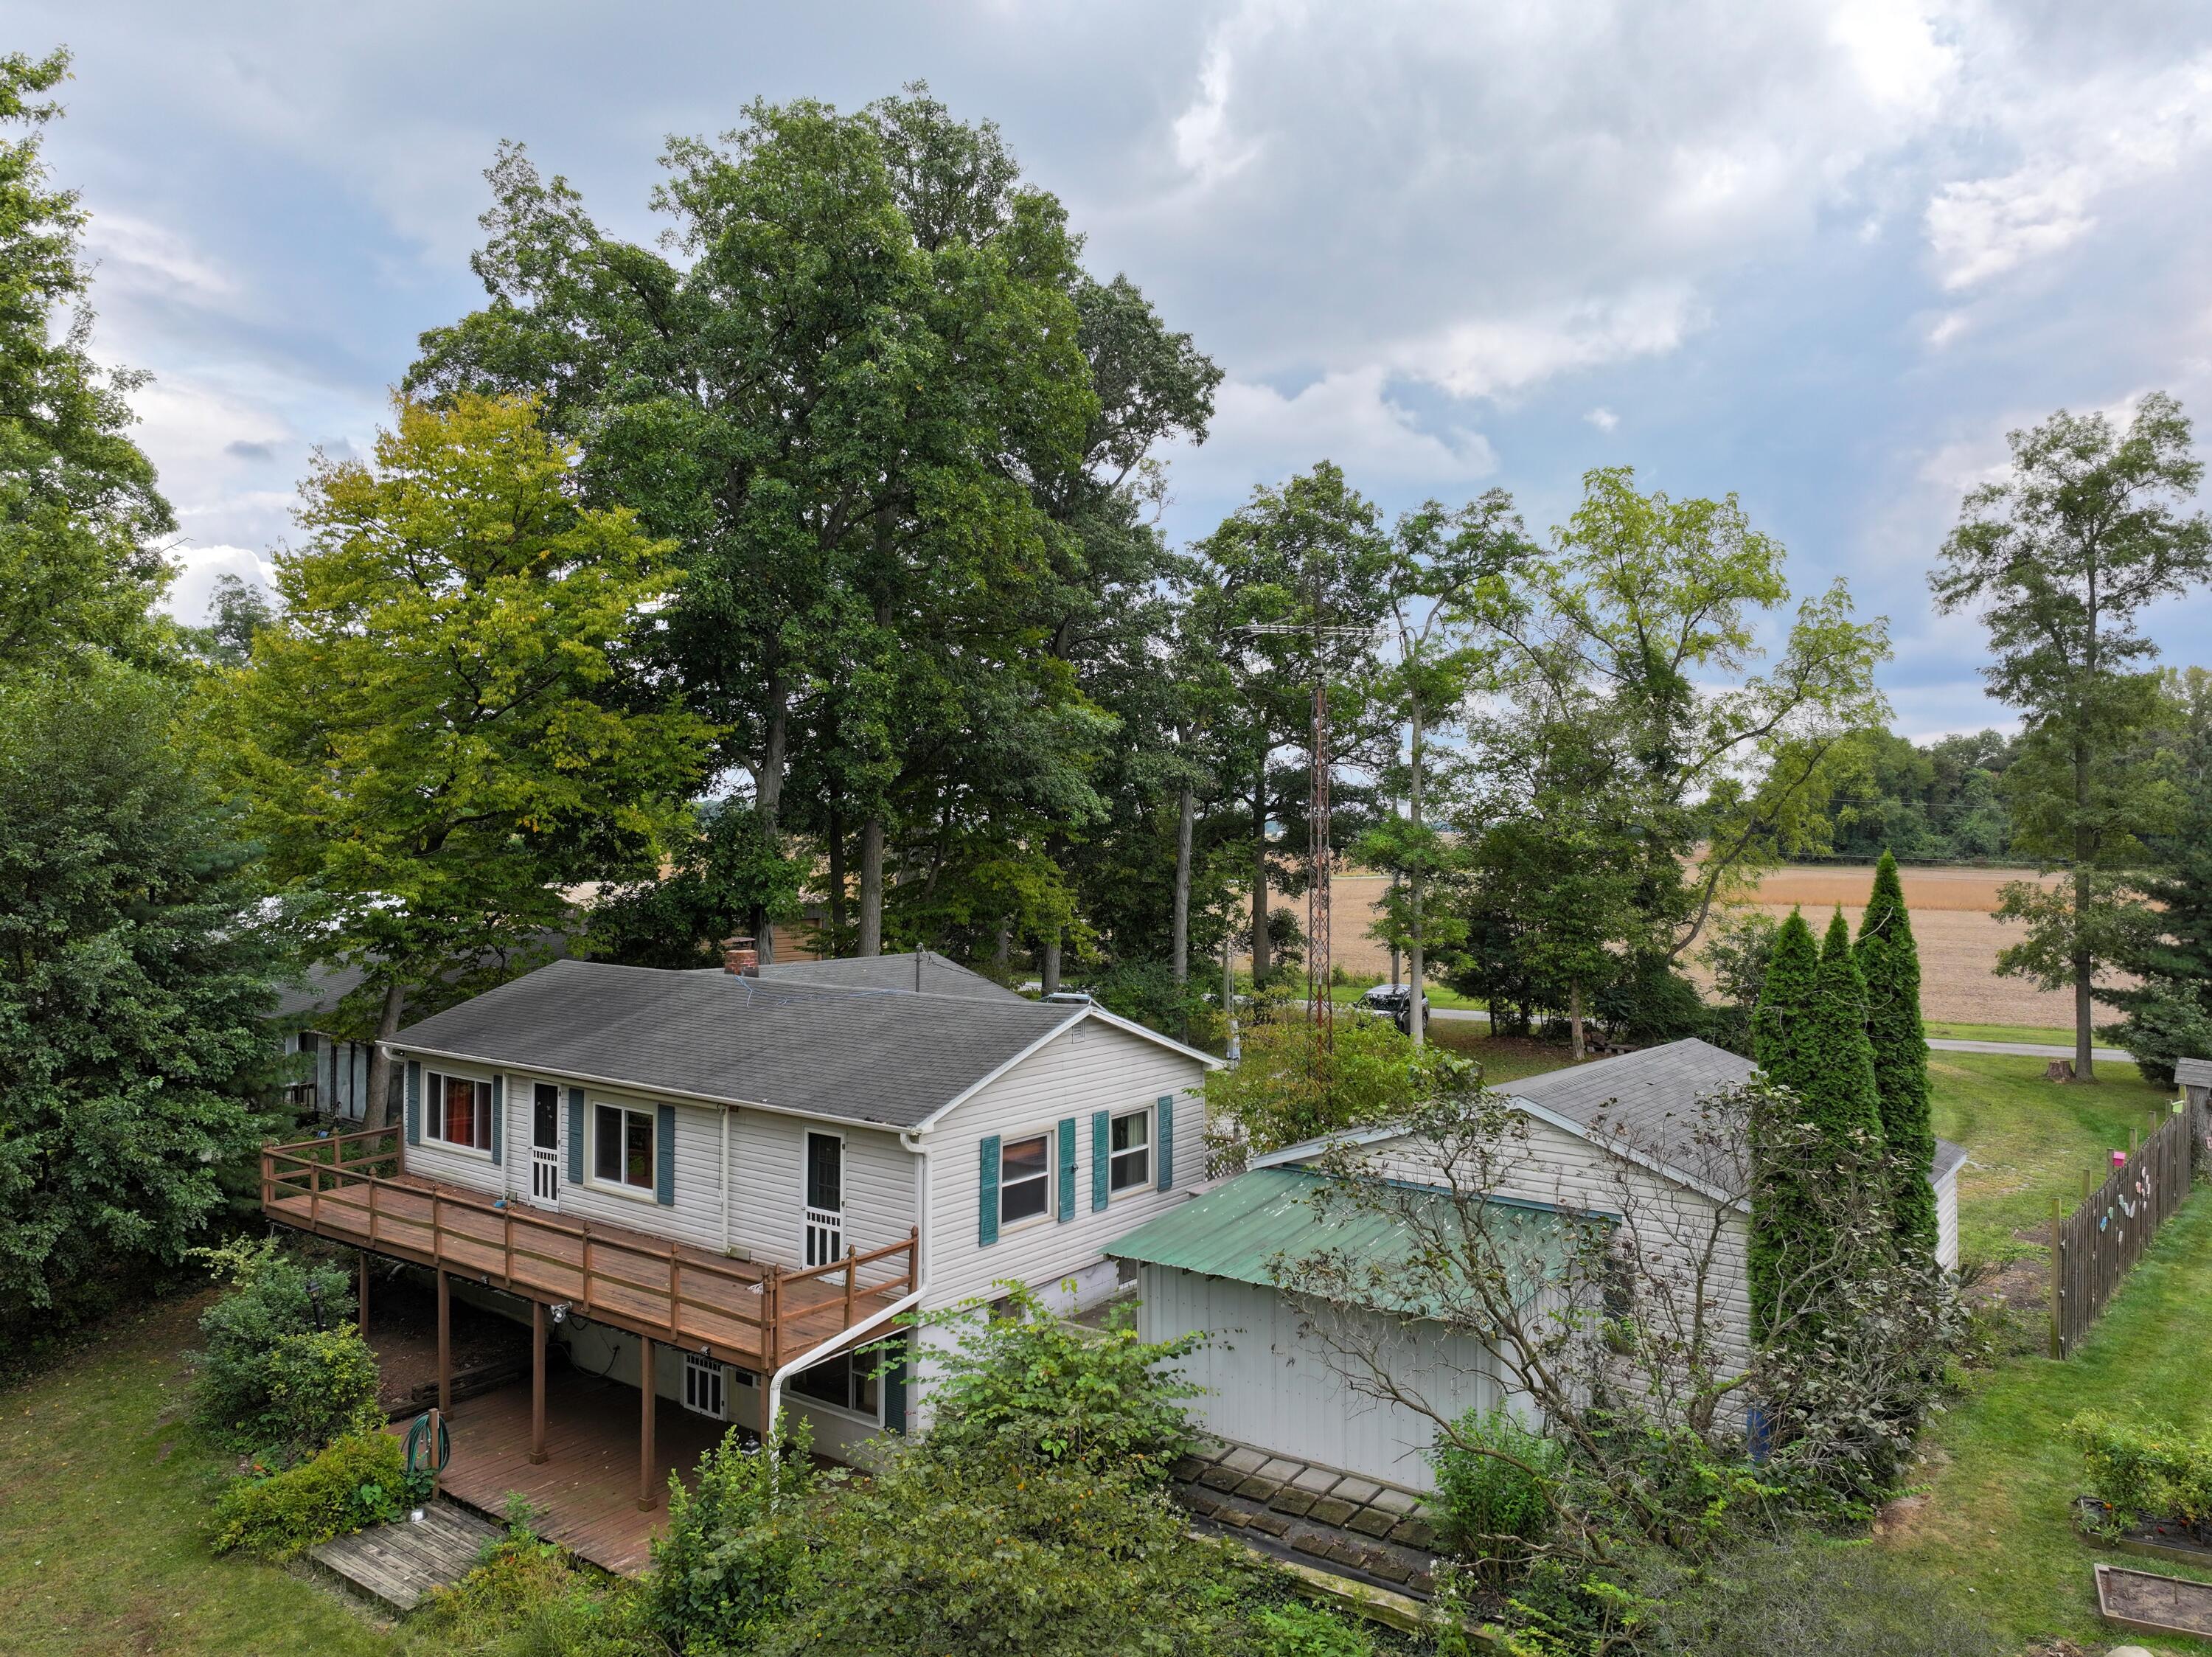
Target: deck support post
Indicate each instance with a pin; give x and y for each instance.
(360, 1295)
(647, 1498)
(537, 1382)
(445, 1346)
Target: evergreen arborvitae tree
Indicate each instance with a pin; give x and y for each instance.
(1844, 1100)
(1889, 963)
(1781, 1040)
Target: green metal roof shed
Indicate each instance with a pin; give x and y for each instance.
(1240, 1229)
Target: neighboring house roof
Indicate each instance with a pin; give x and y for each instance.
(813, 1050)
(1648, 1103)
(923, 971)
(1241, 1229)
(2193, 1072)
(317, 990)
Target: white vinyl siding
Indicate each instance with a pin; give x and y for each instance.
(1094, 1067)
(1565, 1171)
(1273, 1385)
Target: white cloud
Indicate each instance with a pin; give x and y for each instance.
(137, 253)
(2081, 139)
(1603, 418)
(1946, 328)
(1261, 435)
(1497, 357)
(197, 568)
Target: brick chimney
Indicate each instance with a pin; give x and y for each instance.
(740, 957)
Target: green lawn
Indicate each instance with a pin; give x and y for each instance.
(1503, 1058)
(104, 1494)
(2048, 1036)
(1996, 1519)
(2030, 1140)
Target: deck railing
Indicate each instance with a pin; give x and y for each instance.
(349, 1187)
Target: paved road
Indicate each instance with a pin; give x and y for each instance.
(2016, 1049)
(2029, 1050)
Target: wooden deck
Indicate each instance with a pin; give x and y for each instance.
(401, 1564)
(585, 1493)
(352, 1189)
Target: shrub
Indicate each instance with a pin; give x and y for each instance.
(1806, 1596)
(528, 1596)
(357, 1481)
(282, 1371)
(991, 1553)
(1057, 1393)
(729, 1564)
(2141, 1473)
(1493, 1509)
(1146, 992)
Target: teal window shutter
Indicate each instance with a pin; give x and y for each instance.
(897, 1351)
(1101, 1156)
(575, 1136)
(987, 1206)
(664, 1147)
(1066, 1169)
(1163, 1125)
(414, 1101)
(498, 1111)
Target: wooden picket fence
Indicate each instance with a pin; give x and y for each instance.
(2094, 1248)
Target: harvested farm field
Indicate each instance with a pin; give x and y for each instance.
(1959, 941)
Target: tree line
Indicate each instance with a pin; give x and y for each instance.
(807, 570)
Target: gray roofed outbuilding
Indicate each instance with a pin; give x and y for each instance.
(858, 1055)
(1650, 1099)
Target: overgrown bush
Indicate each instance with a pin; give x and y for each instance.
(731, 1559)
(991, 1552)
(1806, 1596)
(282, 1371)
(1374, 1074)
(2145, 1473)
(357, 1481)
(1493, 1481)
(1296, 1629)
(527, 1597)
(1146, 992)
(1028, 1380)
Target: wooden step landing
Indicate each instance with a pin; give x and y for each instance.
(398, 1565)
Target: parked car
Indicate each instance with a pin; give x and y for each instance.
(1393, 1002)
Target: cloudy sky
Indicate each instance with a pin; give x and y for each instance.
(1823, 255)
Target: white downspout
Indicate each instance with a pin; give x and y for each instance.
(725, 1179)
(860, 1330)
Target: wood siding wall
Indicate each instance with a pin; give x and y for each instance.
(766, 1173)
(1273, 1385)
(1565, 1171)
(1095, 1067)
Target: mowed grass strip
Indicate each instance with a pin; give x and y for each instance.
(1998, 1519)
(104, 1495)
(2028, 1140)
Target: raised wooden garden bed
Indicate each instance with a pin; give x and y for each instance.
(2152, 1539)
(2152, 1603)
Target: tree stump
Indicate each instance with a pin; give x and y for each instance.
(2059, 1069)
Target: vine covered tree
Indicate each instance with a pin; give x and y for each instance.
(435, 738)
(1889, 963)
(2060, 558)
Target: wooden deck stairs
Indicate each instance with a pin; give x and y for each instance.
(396, 1565)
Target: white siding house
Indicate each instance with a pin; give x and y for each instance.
(786, 1119)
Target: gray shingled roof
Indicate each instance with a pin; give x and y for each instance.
(863, 1056)
(924, 972)
(1650, 1097)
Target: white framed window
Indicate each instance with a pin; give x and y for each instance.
(846, 1382)
(702, 1387)
(621, 1147)
(1129, 1160)
(1024, 1178)
(457, 1111)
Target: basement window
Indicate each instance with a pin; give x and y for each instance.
(702, 1387)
